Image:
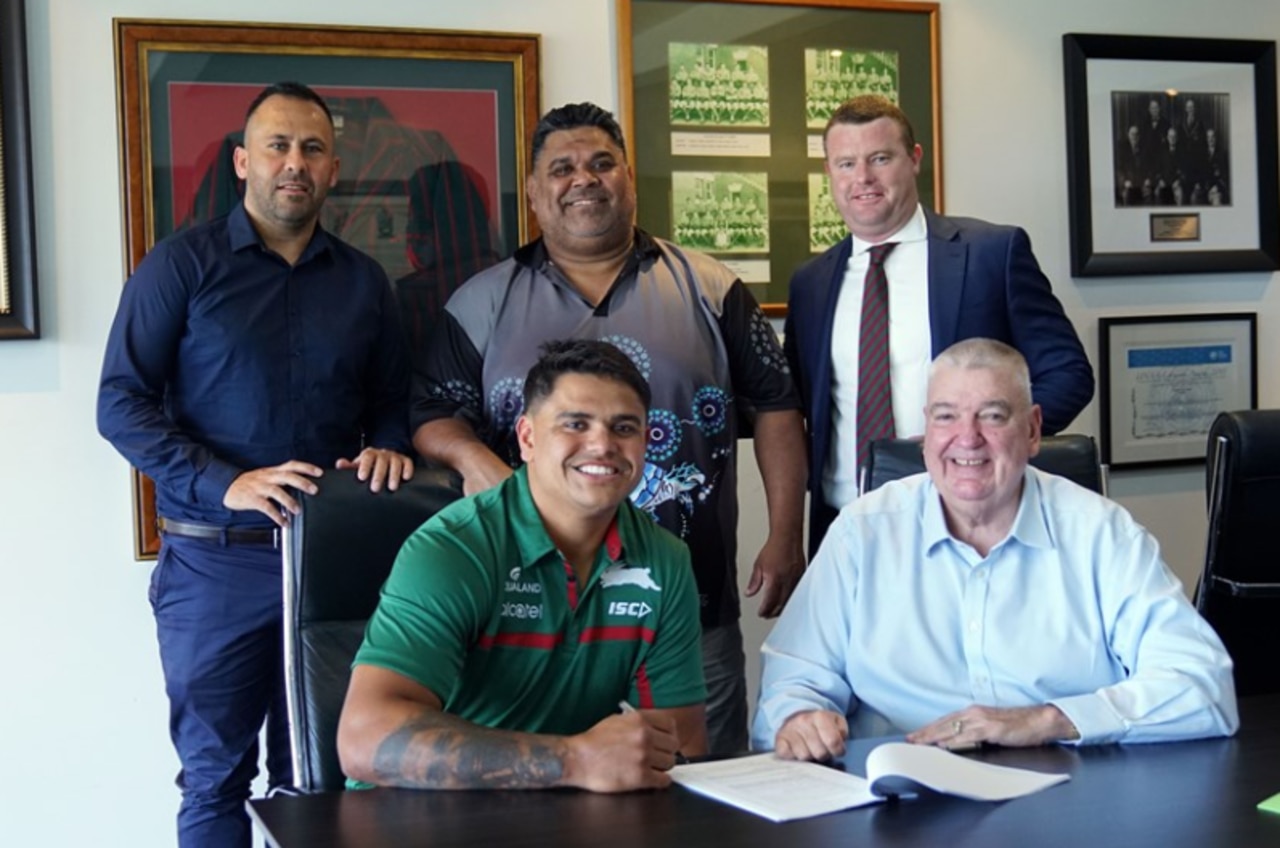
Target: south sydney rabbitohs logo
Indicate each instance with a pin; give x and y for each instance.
(618, 575)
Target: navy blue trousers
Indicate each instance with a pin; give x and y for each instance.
(219, 621)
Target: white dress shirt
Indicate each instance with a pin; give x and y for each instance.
(910, 351)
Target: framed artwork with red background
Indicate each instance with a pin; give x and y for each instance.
(432, 130)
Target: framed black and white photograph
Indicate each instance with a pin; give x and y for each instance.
(19, 313)
(1171, 155)
(1164, 378)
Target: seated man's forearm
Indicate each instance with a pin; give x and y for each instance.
(394, 732)
(434, 750)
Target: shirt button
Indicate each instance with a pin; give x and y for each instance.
(973, 626)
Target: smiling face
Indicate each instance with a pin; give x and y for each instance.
(581, 192)
(288, 164)
(873, 177)
(980, 430)
(584, 445)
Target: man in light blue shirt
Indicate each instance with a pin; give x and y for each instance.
(987, 601)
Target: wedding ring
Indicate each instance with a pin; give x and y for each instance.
(957, 727)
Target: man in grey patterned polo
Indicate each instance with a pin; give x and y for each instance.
(697, 335)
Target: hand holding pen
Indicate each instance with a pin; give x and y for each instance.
(627, 709)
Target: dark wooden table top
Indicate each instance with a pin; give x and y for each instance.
(1201, 794)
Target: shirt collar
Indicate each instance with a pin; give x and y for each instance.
(532, 539)
(1029, 525)
(534, 254)
(531, 536)
(915, 229)
(243, 235)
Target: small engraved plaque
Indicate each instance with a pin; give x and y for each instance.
(1175, 227)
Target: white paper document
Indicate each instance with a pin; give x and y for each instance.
(781, 790)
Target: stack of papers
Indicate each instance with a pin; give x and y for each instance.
(781, 790)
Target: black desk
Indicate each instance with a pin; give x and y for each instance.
(1200, 794)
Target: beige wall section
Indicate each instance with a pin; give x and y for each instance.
(83, 709)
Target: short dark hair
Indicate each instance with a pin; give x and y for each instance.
(295, 90)
(574, 115)
(581, 356)
(868, 108)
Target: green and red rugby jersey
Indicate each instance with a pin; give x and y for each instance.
(482, 609)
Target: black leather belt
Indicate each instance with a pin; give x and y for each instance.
(214, 533)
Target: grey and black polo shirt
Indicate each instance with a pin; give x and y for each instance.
(694, 331)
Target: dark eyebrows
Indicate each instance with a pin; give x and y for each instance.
(304, 141)
(594, 158)
(624, 418)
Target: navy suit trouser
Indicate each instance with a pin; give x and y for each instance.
(219, 620)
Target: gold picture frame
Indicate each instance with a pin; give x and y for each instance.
(779, 66)
(182, 88)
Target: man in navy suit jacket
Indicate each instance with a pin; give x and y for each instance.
(949, 279)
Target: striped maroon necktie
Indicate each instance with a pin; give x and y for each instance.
(875, 397)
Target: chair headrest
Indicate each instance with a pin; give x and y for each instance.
(350, 537)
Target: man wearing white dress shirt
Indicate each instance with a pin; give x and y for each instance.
(948, 279)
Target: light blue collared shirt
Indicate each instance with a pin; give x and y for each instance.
(897, 623)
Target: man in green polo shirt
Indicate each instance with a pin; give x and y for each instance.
(515, 622)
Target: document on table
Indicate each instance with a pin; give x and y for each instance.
(779, 790)
(782, 790)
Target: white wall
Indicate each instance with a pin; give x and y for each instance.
(83, 711)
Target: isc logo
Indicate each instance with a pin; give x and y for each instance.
(635, 609)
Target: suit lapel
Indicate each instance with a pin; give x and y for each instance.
(828, 277)
(948, 255)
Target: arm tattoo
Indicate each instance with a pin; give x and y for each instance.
(435, 750)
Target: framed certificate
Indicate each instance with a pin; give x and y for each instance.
(1165, 378)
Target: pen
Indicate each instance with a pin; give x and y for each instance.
(626, 708)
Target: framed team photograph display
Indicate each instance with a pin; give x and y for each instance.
(19, 315)
(1171, 155)
(1164, 378)
(432, 130)
(724, 124)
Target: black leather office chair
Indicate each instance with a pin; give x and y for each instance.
(1069, 455)
(1239, 591)
(337, 554)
